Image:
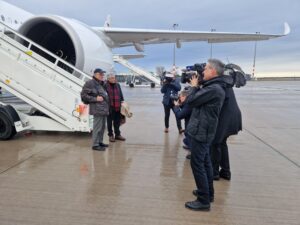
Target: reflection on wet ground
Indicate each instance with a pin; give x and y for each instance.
(55, 178)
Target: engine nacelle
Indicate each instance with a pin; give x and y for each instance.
(71, 40)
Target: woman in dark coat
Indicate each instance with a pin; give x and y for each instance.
(170, 87)
(230, 123)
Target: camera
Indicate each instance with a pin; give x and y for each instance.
(174, 97)
(190, 71)
(237, 74)
(167, 77)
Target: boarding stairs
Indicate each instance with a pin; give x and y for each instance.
(137, 70)
(44, 81)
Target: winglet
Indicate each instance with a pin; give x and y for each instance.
(287, 28)
(107, 22)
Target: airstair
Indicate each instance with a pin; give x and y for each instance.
(44, 81)
(137, 70)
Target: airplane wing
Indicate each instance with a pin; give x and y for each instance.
(122, 37)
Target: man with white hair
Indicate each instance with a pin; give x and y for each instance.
(115, 94)
(206, 103)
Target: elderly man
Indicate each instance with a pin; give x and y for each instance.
(94, 94)
(115, 94)
(206, 103)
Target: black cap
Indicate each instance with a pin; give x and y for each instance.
(98, 70)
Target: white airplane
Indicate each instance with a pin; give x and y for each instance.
(89, 47)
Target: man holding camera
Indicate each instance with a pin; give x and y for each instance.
(170, 88)
(206, 103)
(183, 111)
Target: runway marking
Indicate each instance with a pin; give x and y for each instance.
(274, 149)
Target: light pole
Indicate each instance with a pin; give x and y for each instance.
(211, 30)
(254, 58)
(174, 28)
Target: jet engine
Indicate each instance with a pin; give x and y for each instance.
(71, 40)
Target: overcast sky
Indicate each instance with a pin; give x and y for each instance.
(274, 57)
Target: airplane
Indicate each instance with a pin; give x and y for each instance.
(88, 47)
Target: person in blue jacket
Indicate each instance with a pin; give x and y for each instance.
(170, 88)
(183, 112)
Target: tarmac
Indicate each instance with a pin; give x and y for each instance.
(55, 178)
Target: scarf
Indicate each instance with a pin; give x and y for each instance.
(114, 96)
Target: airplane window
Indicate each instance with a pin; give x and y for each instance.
(2, 17)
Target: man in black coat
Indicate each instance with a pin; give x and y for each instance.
(230, 123)
(206, 103)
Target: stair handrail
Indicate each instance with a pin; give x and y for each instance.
(84, 76)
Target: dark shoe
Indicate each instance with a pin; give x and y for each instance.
(216, 177)
(166, 130)
(181, 131)
(197, 206)
(188, 156)
(225, 174)
(195, 193)
(112, 138)
(103, 145)
(98, 148)
(120, 138)
(186, 147)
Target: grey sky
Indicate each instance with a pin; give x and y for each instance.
(278, 57)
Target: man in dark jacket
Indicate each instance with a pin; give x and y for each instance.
(230, 123)
(170, 87)
(94, 94)
(206, 103)
(115, 99)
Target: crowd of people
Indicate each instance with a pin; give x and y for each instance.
(209, 110)
(211, 115)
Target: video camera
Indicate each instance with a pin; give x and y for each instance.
(167, 77)
(174, 97)
(190, 71)
(237, 74)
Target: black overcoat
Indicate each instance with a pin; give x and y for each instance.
(206, 103)
(230, 118)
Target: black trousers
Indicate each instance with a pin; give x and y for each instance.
(220, 157)
(202, 170)
(114, 119)
(167, 117)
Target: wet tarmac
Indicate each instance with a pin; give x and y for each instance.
(55, 178)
